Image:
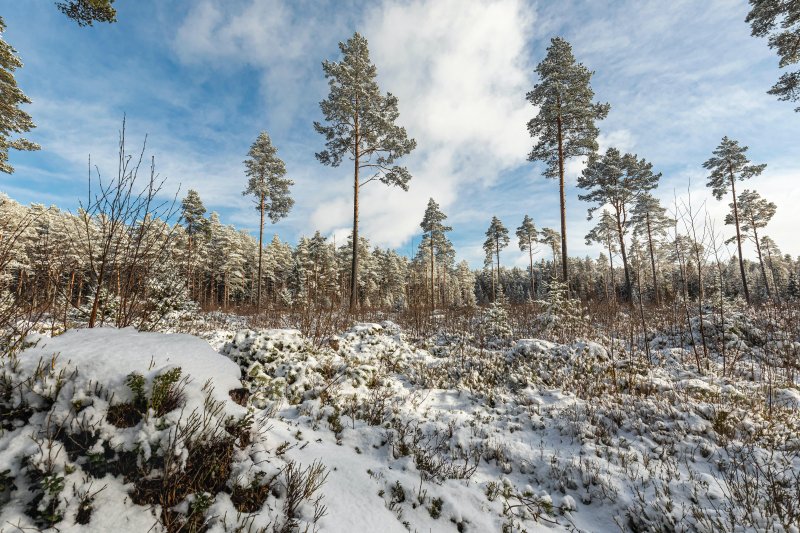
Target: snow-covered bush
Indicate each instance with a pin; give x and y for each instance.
(561, 315)
(106, 427)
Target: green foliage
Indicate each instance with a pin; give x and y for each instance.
(87, 12)
(435, 510)
(564, 99)
(779, 20)
(165, 396)
(360, 120)
(728, 164)
(12, 118)
(135, 383)
(267, 182)
(527, 234)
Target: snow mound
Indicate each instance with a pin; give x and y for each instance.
(106, 429)
(108, 355)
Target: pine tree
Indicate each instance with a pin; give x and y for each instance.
(650, 220)
(86, 12)
(565, 126)
(793, 288)
(780, 20)
(728, 164)
(604, 234)
(12, 118)
(271, 190)
(496, 240)
(617, 180)
(774, 261)
(755, 213)
(528, 236)
(432, 225)
(361, 123)
(551, 238)
(192, 211)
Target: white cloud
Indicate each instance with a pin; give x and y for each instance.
(460, 72)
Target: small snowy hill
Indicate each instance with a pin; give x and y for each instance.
(102, 432)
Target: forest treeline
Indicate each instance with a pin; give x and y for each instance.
(131, 254)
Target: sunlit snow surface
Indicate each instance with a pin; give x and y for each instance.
(535, 420)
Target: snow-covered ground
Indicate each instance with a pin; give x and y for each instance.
(100, 433)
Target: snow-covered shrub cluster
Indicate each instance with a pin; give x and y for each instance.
(442, 434)
(108, 430)
(565, 435)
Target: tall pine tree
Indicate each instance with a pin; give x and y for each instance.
(780, 20)
(528, 236)
(192, 211)
(496, 240)
(605, 234)
(270, 188)
(360, 122)
(565, 126)
(651, 221)
(755, 213)
(432, 225)
(729, 164)
(617, 180)
(12, 118)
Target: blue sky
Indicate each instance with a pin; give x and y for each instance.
(202, 78)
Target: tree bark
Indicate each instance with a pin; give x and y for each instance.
(761, 260)
(562, 197)
(628, 286)
(260, 253)
(611, 267)
(433, 275)
(738, 236)
(652, 258)
(497, 254)
(354, 263)
(530, 257)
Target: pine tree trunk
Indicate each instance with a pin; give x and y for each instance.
(739, 236)
(354, 263)
(611, 266)
(189, 261)
(260, 253)
(563, 199)
(491, 272)
(497, 253)
(652, 258)
(761, 261)
(433, 274)
(628, 286)
(530, 257)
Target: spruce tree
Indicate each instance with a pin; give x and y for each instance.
(650, 220)
(270, 188)
(780, 20)
(528, 236)
(360, 122)
(729, 164)
(437, 243)
(755, 213)
(565, 126)
(617, 180)
(496, 240)
(12, 118)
